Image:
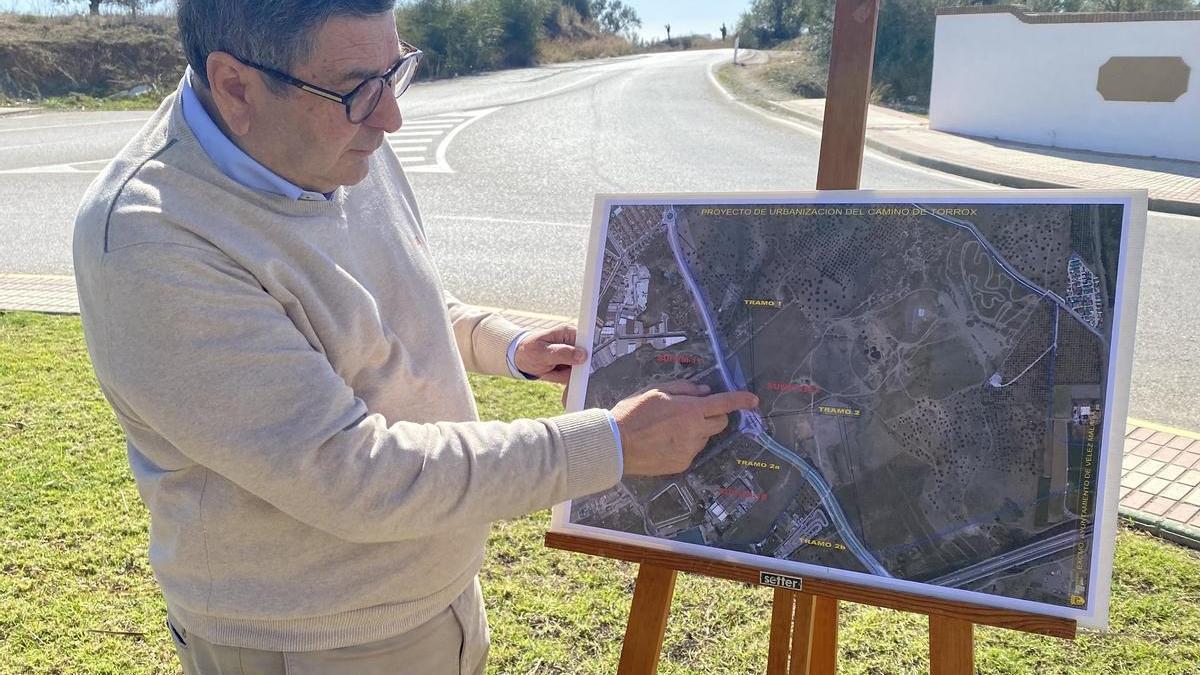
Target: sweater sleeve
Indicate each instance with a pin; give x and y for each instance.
(194, 350)
(483, 337)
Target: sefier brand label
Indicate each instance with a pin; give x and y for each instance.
(780, 581)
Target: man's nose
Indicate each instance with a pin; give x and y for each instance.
(386, 115)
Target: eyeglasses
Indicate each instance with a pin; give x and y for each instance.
(363, 99)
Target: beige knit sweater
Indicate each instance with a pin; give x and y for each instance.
(290, 377)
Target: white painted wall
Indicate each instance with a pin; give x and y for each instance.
(997, 77)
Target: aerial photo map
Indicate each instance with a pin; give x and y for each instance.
(933, 378)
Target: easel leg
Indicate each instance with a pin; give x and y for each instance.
(803, 635)
(781, 629)
(647, 620)
(951, 646)
(822, 647)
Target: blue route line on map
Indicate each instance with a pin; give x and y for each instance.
(750, 422)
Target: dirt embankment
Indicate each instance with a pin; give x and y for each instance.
(99, 56)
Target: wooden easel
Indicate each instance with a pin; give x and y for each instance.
(804, 624)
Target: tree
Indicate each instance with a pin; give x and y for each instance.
(457, 37)
(520, 24)
(668, 27)
(769, 22)
(584, 7)
(615, 16)
(724, 32)
(134, 6)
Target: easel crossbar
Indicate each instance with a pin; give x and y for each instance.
(906, 602)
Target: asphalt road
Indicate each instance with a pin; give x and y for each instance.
(507, 190)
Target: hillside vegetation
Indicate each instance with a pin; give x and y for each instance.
(53, 56)
(81, 59)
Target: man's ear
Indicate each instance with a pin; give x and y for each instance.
(233, 86)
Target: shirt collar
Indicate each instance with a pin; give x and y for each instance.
(229, 158)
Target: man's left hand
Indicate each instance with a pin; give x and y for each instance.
(549, 354)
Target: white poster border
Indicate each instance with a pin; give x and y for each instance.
(1095, 616)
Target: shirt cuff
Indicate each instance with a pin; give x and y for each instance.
(512, 357)
(612, 422)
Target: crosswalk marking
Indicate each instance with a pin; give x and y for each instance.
(431, 136)
(420, 145)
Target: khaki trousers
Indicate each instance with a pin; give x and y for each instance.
(455, 642)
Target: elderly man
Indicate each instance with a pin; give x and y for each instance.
(266, 320)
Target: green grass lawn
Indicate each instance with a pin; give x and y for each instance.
(77, 594)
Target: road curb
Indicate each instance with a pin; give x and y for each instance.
(1174, 431)
(975, 173)
(1161, 527)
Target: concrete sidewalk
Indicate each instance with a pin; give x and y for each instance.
(1174, 185)
(1160, 468)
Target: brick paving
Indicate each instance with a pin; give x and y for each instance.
(1160, 467)
(1174, 185)
(1160, 476)
(53, 294)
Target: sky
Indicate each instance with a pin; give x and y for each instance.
(685, 16)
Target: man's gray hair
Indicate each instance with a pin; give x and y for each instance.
(273, 33)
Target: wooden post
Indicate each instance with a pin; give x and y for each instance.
(822, 651)
(802, 635)
(843, 136)
(782, 616)
(951, 646)
(647, 620)
(847, 95)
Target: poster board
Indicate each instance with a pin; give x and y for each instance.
(855, 301)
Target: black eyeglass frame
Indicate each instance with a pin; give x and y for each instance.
(411, 53)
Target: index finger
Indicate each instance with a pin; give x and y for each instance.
(563, 332)
(726, 402)
(566, 354)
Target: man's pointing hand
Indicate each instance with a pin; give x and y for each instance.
(663, 429)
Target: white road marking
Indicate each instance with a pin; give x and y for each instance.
(141, 120)
(30, 145)
(86, 166)
(49, 168)
(406, 147)
(460, 120)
